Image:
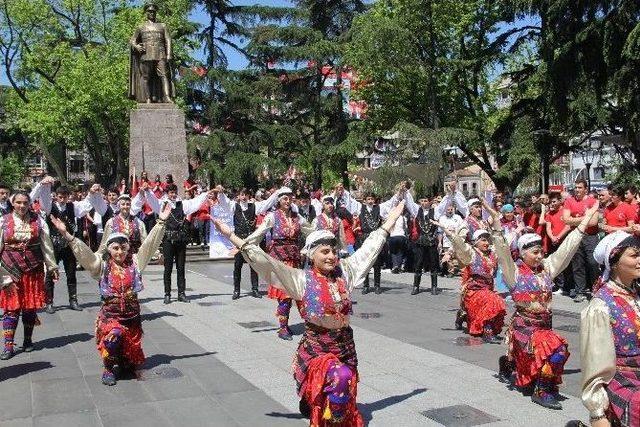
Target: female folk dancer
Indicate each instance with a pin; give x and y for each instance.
(325, 368)
(118, 326)
(485, 309)
(539, 354)
(286, 226)
(610, 336)
(25, 249)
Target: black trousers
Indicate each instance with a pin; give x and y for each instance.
(174, 251)
(238, 260)
(70, 265)
(397, 247)
(585, 268)
(426, 259)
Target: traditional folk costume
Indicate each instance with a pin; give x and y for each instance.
(286, 229)
(426, 245)
(326, 365)
(332, 223)
(244, 215)
(370, 218)
(537, 352)
(177, 235)
(485, 310)
(118, 326)
(70, 213)
(25, 250)
(131, 226)
(610, 342)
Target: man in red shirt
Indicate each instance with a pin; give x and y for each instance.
(618, 215)
(557, 230)
(584, 266)
(630, 196)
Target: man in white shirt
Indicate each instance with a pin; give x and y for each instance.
(176, 237)
(69, 212)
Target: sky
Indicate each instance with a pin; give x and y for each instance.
(236, 60)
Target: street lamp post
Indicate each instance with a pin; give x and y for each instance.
(543, 149)
(587, 166)
(589, 155)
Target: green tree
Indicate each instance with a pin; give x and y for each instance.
(67, 64)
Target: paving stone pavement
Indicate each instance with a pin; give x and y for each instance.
(217, 362)
(181, 383)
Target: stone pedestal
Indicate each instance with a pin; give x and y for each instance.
(158, 142)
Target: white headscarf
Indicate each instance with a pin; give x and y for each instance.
(480, 233)
(283, 191)
(528, 240)
(472, 202)
(313, 241)
(114, 236)
(603, 250)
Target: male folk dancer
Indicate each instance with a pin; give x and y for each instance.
(305, 208)
(244, 214)
(426, 248)
(5, 204)
(371, 217)
(176, 237)
(286, 227)
(68, 212)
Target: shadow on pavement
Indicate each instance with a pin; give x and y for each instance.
(146, 317)
(287, 415)
(166, 359)
(15, 371)
(367, 409)
(61, 341)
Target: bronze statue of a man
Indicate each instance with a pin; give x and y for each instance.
(150, 71)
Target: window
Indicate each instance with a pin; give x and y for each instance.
(76, 166)
(474, 188)
(599, 173)
(465, 189)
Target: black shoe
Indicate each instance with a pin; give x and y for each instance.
(6, 354)
(491, 339)
(377, 290)
(416, 290)
(236, 295)
(395, 270)
(505, 369)
(285, 334)
(305, 409)
(183, 298)
(49, 309)
(256, 293)
(547, 400)
(460, 319)
(108, 378)
(73, 305)
(27, 346)
(366, 290)
(167, 299)
(579, 298)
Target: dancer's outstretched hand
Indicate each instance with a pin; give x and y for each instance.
(394, 214)
(166, 211)
(59, 224)
(223, 228)
(494, 213)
